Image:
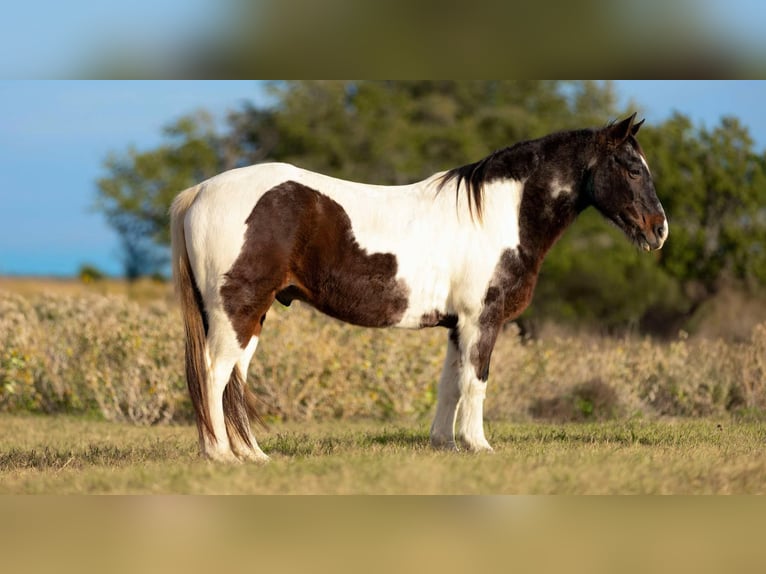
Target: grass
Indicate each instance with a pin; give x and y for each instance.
(58, 455)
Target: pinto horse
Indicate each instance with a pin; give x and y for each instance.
(461, 249)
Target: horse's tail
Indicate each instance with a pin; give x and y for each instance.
(192, 310)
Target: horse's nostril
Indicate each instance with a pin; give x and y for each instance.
(661, 231)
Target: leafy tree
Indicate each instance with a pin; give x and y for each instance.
(713, 185)
(137, 192)
(399, 131)
(595, 277)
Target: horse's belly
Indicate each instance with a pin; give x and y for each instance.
(428, 302)
(375, 299)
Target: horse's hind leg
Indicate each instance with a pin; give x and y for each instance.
(241, 437)
(223, 353)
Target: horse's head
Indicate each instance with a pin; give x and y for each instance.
(622, 188)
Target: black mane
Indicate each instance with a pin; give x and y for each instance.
(518, 162)
(474, 175)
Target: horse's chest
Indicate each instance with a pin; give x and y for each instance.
(515, 277)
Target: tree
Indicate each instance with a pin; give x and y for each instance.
(713, 184)
(137, 192)
(400, 131)
(594, 277)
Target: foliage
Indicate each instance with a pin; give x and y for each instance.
(90, 273)
(594, 277)
(89, 354)
(394, 132)
(118, 360)
(713, 184)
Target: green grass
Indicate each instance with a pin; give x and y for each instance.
(70, 455)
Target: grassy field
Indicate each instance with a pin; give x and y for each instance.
(56, 455)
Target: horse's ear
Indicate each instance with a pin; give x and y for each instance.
(636, 127)
(618, 133)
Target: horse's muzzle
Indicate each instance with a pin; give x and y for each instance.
(655, 234)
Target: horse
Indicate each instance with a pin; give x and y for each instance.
(461, 249)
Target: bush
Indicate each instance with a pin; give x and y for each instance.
(121, 360)
(90, 354)
(591, 400)
(90, 273)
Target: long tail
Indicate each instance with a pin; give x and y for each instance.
(192, 310)
(238, 400)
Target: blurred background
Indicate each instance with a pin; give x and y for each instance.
(90, 167)
(332, 38)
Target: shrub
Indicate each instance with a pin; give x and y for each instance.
(122, 360)
(90, 273)
(591, 400)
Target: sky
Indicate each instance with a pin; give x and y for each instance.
(41, 38)
(55, 135)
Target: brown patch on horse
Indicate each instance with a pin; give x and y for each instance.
(509, 293)
(299, 244)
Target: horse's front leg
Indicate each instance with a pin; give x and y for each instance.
(463, 386)
(477, 350)
(471, 414)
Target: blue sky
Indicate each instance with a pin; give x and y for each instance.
(43, 39)
(55, 136)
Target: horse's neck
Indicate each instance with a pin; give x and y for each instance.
(550, 204)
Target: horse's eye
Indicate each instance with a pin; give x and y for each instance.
(634, 173)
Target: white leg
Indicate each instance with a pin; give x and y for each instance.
(448, 394)
(471, 421)
(240, 447)
(223, 353)
(217, 447)
(475, 359)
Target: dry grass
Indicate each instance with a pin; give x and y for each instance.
(142, 290)
(111, 357)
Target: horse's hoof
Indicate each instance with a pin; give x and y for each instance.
(222, 457)
(445, 445)
(254, 456)
(477, 445)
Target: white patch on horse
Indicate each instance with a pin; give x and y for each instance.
(557, 188)
(643, 161)
(662, 233)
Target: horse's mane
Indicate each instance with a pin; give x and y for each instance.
(518, 162)
(474, 176)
